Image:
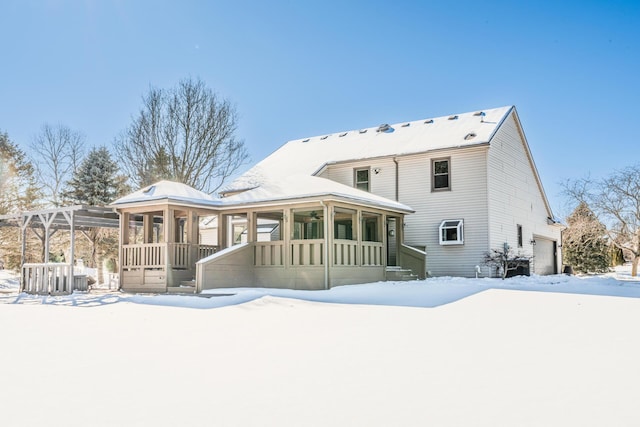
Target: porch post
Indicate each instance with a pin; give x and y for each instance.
(192, 238)
(124, 240)
(287, 225)
(328, 242)
(222, 231)
(358, 231)
(169, 235)
(252, 228)
(147, 228)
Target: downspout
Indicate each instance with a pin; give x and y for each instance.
(326, 244)
(395, 160)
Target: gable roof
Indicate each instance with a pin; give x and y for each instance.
(308, 156)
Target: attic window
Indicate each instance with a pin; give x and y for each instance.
(149, 189)
(470, 136)
(306, 140)
(324, 137)
(385, 128)
(363, 130)
(342, 134)
(428, 122)
(453, 117)
(406, 125)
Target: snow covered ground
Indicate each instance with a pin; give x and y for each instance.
(537, 351)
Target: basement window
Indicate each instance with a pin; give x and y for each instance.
(451, 232)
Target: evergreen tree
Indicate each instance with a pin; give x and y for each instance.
(584, 243)
(18, 192)
(96, 182)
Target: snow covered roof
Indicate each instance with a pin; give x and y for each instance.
(280, 189)
(307, 156)
(295, 187)
(168, 190)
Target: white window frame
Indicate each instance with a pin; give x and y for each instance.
(434, 174)
(447, 225)
(368, 181)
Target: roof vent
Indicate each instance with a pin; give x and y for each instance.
(306, 140)
(479, 113)
(453, 117)
(470, 136)
(385, 128)
(428, 122)
(324, 137)
(363, 131)
(342, 134)
(406, 125)
(149, 189)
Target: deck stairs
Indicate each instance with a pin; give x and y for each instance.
(186, 287)
(399, 274)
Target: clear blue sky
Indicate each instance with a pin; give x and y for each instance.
(303, 68)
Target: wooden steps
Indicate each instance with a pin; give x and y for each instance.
(186, 287)
(399, 274)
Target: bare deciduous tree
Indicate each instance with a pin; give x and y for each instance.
(56, 152)
(184, 134)
(616, 202)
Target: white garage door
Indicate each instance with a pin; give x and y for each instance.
(544, 256)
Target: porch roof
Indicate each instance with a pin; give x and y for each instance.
(298, 187)
(271, 191)
(167, 191)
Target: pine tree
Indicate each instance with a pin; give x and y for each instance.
(96, 182)
(584, 243)
(18, 192)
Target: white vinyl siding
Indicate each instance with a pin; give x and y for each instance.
(514, 195)
(466, 201)
(381, 183)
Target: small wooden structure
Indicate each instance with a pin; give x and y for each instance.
(159, 237)
(52, 277)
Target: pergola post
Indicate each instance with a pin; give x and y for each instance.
(72, 230)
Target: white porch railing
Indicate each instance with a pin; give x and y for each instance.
(46, 278)
(206, 250)
(307, 252)
(148, 255)
(267, 254)
(344, 252)
(372, 253)
(153, 255)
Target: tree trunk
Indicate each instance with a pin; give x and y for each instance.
(634, 266)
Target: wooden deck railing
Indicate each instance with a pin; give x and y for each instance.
(307, 252)
(154, 255)
(344, 252)
(267, 254)
(46, 278)
(372, 253)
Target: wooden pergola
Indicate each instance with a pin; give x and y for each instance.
(53, 277)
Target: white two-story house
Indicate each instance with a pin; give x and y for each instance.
(469, 177)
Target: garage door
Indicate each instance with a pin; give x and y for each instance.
(544, 256)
